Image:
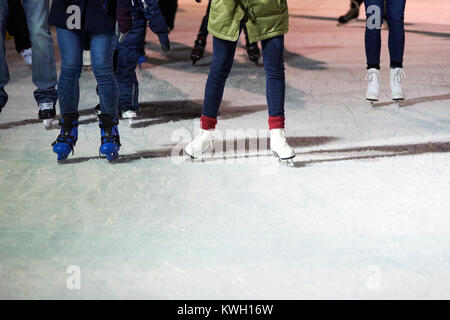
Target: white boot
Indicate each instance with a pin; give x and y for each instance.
(397, 75)
(203, 143)
(373, 88)
(279, 146)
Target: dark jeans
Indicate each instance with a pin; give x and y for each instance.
(43, 68)
(71, 44)
(222, 61)
(395, 10)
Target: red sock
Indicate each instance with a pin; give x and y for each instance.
(276, 122)
(208, 123)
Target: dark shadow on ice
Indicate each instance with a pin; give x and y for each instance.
(299, 61)
(381, 152)
(413, 101)
(156, 112)
(159, 112)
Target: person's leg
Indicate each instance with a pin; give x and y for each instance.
(44, 69)
(222, 61)
(374, 20)
(395, 10)
(4, 73)
(17, 26)
(127, 59)
(273, 50)
(71, 48)
(102, 52)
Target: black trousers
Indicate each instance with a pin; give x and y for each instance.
(16, 25)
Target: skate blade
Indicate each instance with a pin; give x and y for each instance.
(287, 162)
(48, 123)
(284, 161)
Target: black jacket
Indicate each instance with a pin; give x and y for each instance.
(96, 18)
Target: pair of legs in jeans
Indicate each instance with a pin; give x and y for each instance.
(222, 61)
(395, 10)
(71, 44)
(43, 68)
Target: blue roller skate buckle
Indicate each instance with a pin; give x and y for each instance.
(67, 139)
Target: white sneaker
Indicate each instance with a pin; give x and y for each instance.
(27, 56)
(204, 142)
(373, 88)
(397, 75)
(129, 114)
(279, 146)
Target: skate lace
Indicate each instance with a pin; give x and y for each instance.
(399, 75)
(371, 76)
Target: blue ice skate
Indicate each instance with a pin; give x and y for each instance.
(68, 136)
(110, 139)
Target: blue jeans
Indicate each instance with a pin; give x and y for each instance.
(222, 61)
(71, 44)
(395, 10)
(43, 68)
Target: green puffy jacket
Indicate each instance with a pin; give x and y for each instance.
(265, 19)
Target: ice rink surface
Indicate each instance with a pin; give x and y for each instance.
(364, 212)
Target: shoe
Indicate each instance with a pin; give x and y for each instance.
(47, 113)
(129, 114)
(279, 145)
(203, 143)
(373, 87)
(27, 56)
(397, 75)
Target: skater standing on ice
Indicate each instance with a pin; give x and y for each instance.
(88, 24)
(43, 67)
(267, 21)
(253, 51)
(395, 10)
(128, 52)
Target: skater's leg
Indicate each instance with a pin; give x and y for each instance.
(222, 61)
(127, 59)
(200, 41)
(395, 10)
(44, 68)
(374, 14)
(71, 47)
(352, 13)
(273, 50)
(102, 52)
(4, 73)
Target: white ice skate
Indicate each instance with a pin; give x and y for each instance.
(27, 56)
(373, 87)
(397, 75)
(280, 148)
(203, 143)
